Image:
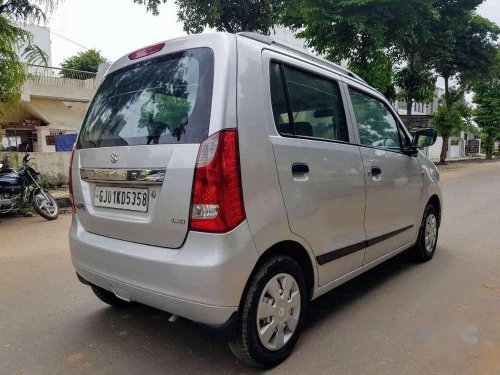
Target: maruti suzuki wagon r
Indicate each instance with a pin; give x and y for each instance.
(231, 179)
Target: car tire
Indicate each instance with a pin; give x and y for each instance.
(256, 345)
(108, 297)
(425, 247)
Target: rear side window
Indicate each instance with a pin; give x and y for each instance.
(157, 101)
(376, 125)
(279, 101)
(313, 105)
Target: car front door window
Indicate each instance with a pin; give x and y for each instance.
(376, 125)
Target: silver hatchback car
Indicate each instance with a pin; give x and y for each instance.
(231, 179)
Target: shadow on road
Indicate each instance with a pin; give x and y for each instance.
(346, 294)
(143, 334)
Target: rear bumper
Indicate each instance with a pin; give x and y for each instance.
(203, 281)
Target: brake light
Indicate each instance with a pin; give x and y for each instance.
(146, 51)
(71, 196)
(217, 199)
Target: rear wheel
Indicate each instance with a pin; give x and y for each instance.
(272, 314)
(108, 297)
(425, 247)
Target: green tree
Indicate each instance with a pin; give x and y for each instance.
(87, 61)
(13, 38)
(417, 84)
(447, 123)
(409, 38)
(373, 36)
(347, 31)
(231, 16)
(378, 71)
(450, 122)
(464, 50)
(487, 111)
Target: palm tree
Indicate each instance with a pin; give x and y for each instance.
(13, 37)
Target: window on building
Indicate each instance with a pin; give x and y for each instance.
(50, 140)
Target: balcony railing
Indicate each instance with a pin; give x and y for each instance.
(62, 77)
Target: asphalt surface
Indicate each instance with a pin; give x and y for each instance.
(441, 317)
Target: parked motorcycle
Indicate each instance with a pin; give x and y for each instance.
(19, 187)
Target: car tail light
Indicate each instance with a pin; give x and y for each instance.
(146, 51)
(71, 196)
(217, 199)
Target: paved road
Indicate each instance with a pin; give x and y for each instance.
(400, 318)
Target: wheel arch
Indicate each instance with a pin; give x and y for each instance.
(292, 249)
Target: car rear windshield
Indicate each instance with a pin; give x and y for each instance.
(157, 101)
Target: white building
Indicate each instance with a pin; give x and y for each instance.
(41, 38)
(421, 112)
(51, 103)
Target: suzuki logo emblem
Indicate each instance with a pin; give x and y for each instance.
(114, 157)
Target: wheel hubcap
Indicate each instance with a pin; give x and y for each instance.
(430, 233)
(278, 311)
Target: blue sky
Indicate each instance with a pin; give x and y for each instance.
(117, 27)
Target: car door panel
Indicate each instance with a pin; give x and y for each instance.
(393, 181)
(321, 178)
(325, 206)
(392, 201)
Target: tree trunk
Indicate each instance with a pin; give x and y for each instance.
(489, 144)
(447, 93)
(444, 148)
(409, 107)
(409, 93)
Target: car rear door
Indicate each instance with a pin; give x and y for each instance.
(320, 171)
(393, 181)
(135, 156)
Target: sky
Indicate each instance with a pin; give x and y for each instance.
(117, 27)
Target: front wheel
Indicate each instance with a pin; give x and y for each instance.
(45, 204)
(272, 314)
(425, 247)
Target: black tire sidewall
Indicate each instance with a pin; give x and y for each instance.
(275, 266)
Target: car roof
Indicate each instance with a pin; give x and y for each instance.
(191, 40)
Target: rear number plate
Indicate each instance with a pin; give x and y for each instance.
(122, 198)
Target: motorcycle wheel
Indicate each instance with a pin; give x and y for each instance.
(45, 204)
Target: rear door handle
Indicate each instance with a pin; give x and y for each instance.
(300, 168)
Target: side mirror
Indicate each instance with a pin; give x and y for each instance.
(424, 138)
(1, 165)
